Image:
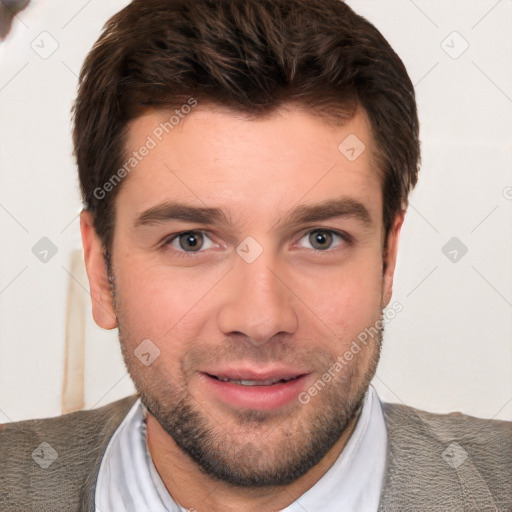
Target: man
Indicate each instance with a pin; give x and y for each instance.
(280, 140)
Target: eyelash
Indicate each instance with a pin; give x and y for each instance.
(184, 254)
(345, 237)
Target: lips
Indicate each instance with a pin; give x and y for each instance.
(253, 388)
(250, 375)
(247, 382)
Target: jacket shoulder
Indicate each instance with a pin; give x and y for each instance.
(446, 461)
(450, 426)
(52, 463)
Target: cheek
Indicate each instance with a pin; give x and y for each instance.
(160, 303)
(348, 300)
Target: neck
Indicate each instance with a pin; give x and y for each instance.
(195, 490)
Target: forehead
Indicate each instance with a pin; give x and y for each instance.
(218, 158)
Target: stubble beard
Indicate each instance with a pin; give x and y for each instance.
(262, 450)
(275, 451)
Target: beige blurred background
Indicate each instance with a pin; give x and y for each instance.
(448, 349)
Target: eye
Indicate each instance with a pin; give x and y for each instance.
(323, 239)
(190, 241)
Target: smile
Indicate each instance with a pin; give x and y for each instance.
(261, 392)
(267, 382)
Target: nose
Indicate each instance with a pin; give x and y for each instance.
(256, 302)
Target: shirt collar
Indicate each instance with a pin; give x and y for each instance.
(128, 480)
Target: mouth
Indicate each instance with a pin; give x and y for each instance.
(266, 382)
(240, 389)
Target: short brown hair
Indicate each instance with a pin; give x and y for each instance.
(249, 55)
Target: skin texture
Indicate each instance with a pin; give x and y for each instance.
(298, 305)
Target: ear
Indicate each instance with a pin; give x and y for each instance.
(389, 259)
(102, 301)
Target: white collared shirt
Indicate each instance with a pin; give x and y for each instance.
(128, 480)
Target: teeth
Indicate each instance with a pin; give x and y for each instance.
(256, 382)
(267, 382)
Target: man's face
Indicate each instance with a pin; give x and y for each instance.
(249, 251)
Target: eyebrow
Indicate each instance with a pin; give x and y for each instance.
(342, 207)
(179, 211)
(329, 209)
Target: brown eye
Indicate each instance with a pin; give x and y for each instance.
(320, 239)
(191, 241)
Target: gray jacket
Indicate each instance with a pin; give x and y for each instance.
(436, 462)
